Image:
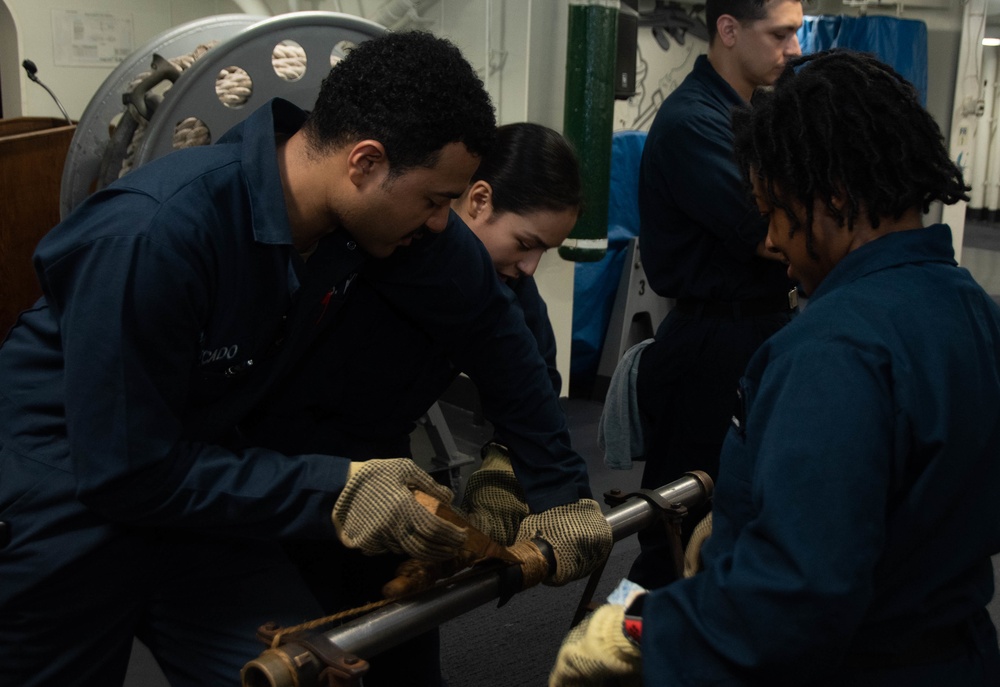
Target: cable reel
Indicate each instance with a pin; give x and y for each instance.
(92, 137)
(253, 61)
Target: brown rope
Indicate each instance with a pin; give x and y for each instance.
(289, 664)
(319, 622)
(233, 87)
(534, 569)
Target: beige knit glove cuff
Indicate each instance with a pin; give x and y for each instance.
(376, 512)
(597, 652)
(692, 554)
(580, 538)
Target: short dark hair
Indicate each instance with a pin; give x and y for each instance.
(412, 92)
(531, 168)
(744, 11)
(843, 124)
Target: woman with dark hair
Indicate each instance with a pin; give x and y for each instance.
(523, 200)
(855, 513)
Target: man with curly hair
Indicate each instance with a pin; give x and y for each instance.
(131, 501)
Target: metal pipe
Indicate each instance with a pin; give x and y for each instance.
(294, 664)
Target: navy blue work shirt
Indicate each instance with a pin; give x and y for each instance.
(433, 285)
(856, 507)
(361, 395)
(699, 227)
(172, 301)
(536, 316)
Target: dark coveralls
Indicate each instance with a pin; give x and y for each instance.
(131, 500)
(698, 235)
(381, 379)
(856, 508)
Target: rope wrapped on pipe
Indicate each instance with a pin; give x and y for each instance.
(310, 658)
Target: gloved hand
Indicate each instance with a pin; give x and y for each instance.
(377, 512)
(692, 554)
(494, 501)
(597, 652)
(579, 535)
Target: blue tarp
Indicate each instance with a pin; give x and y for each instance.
(595, 283)
(901, 43)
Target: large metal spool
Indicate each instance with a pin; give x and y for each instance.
(245, 42)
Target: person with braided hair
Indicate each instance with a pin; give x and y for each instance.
(855, 511)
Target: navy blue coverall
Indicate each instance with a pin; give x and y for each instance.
(132, 502)
(391, 370)
(699, 231)
(856, 508)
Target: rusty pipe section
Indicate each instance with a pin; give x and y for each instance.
(300, 661)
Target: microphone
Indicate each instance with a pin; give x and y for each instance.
(32, 69)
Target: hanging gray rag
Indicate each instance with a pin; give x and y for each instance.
(619, 433)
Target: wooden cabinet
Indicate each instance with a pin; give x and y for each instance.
(32, 154)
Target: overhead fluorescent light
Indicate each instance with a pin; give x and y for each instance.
(991, 41)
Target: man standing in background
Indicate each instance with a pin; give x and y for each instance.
(702, 244)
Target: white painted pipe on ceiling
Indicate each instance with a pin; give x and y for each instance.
(991, 185)
(978, 174)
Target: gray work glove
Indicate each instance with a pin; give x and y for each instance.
(377, 512)
(494, 501)
(597, 652)
(579, 535)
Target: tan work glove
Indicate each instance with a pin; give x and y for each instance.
(579, 535)
(494, 501)
(692, 554)
(596, 652)
(376, 512)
